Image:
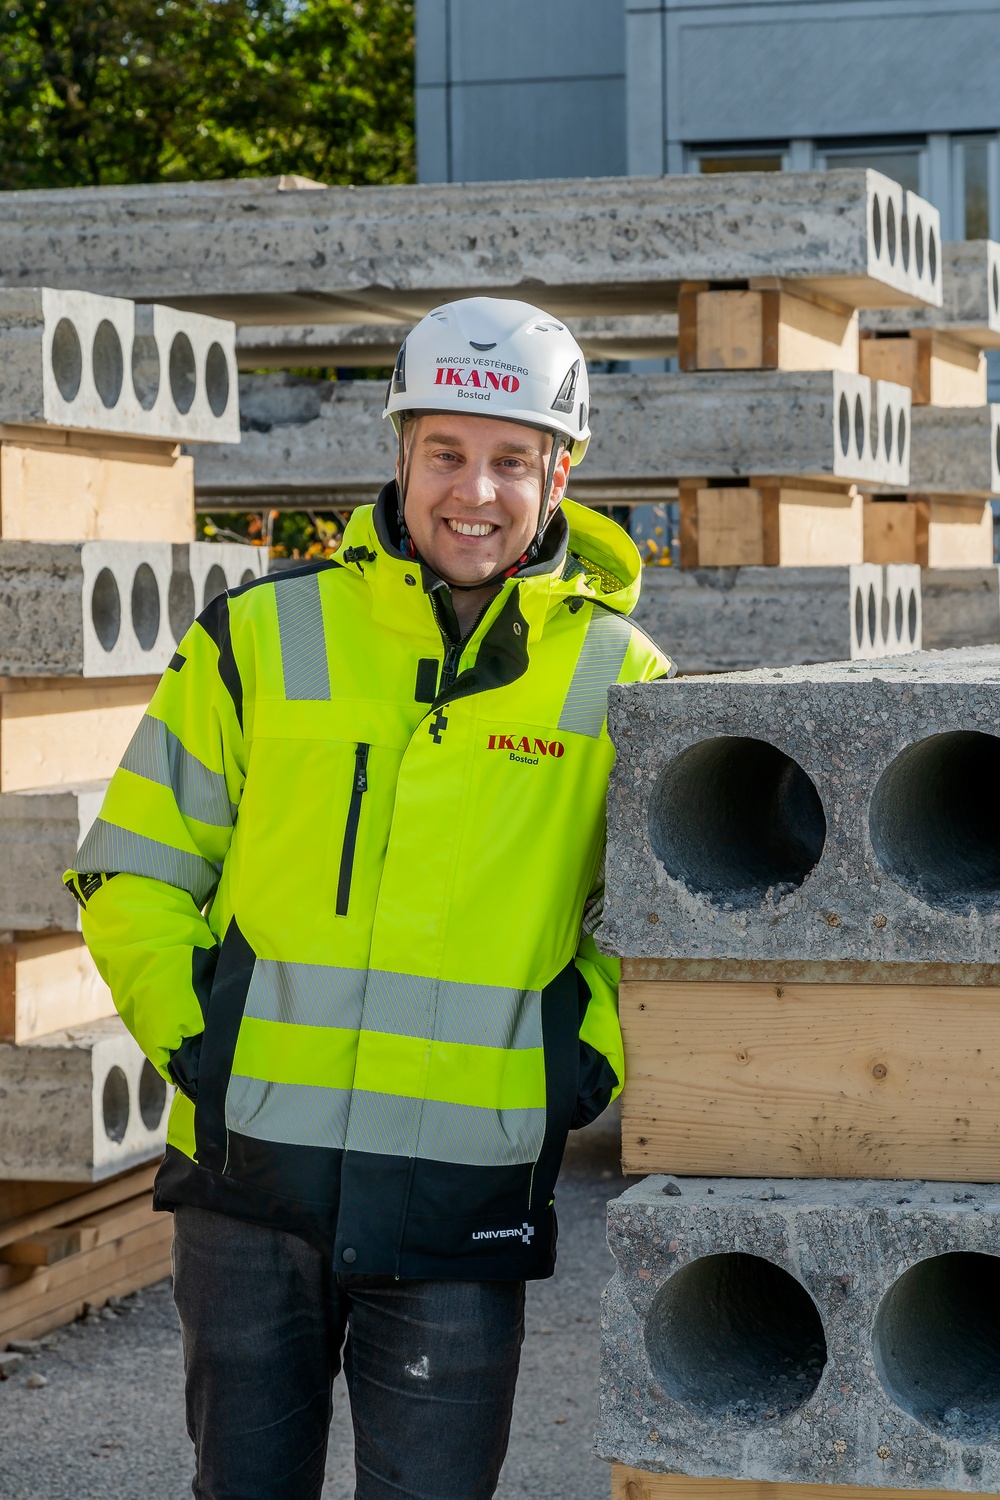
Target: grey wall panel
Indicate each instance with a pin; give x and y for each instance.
(558, 129)
(432, 42)
(520, 39)
(433, 153)
(855, 68)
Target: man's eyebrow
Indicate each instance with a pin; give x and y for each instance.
(450, 440)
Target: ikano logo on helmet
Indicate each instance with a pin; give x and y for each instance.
(526, 752)
(480, 380)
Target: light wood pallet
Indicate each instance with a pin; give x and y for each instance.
(636, 1484)
(62, 1251)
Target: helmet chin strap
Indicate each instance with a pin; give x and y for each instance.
(409, 547)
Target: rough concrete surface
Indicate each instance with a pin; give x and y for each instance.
(820, 813)
(961, 607)
(840, 1332)
(108, 609)
(595, 245)
(955, 450)
(71, 359)
(40, 832)
(79, 1105)
(970, 306)
(325, 441)
(109, 1424)
(281, 346)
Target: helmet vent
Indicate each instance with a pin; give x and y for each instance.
(481, 347)
(399, 373)
(546, 327)
(583, 415)
(566, 395)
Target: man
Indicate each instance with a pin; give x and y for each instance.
(343, 888)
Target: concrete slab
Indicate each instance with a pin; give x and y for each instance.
(731, 619)
(40, 833)
(805, 1332)
(80, 1105)
(347, 345)
(826, 813)
(970, 305)
(108, 609)
(91, 363)
(324, 441)
(589, 247)
(955, 450)
(961, 607)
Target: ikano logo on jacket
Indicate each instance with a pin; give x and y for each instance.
(527, 751)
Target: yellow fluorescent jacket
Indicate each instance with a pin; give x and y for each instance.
(348, 905)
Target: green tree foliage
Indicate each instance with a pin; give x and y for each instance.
(113, 91)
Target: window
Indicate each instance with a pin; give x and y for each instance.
(971, 167)
(734, 162)
(902, 163)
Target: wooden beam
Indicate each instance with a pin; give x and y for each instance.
(811, 1080)
(47, 984)
(770, 522)
(62, 735)
(28, 1208)
(635, 1484)
(763, 330)
(939, 370)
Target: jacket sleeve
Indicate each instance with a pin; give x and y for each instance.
(602, 1058)
(149, 867)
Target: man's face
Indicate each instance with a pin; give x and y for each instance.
(473, 492)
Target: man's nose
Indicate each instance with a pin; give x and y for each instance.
(474, 485)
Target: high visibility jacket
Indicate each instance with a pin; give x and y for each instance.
(339, 886)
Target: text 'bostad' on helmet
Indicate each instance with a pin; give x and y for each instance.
(487, 357)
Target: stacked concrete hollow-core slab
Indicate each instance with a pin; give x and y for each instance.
(598, 247)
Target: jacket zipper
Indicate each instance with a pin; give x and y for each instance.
(351, 828)
(453, 649)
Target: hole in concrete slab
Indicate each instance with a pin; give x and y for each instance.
(735, 1337)
(912, 616)
(888, 434)
(145, 606)
(899, 614)
(859, 618)
(183, 374)
(180, 604)
(152, 1096)
(877, 225)
(106, 609)
(872, 614)
(215, 584)
(918, 246)
(998, 447)
(873, 419)
(890, 231)
(734, 818)
(904, 239)
(932, 254)
(900, 437)
(845, 425)
(934, 820)
(885, 619)
(108, 363)
(115, 1105)
(247, 576)
(936, 1343)
(217, 380)
(996, 289)
(67, 359)
(145, 370)
(859, 426)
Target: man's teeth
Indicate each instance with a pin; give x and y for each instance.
(472, 528)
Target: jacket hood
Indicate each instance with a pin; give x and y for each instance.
(594, 557)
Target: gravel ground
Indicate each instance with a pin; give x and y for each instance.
(108, 1424)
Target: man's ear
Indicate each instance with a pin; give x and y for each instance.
(560, 480)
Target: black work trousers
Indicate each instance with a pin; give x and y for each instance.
(430, 1368)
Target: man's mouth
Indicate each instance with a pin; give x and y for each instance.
(472, 528)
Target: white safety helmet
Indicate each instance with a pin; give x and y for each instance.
(485, 356)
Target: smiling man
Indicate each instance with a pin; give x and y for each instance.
(343, 888)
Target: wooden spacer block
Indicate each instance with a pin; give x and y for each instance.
(935, 531)
(763, 330)
(939, 370)
(54, 733)
(811, 1080)
(635, 1484)
(57, 486)
(769, 523)
(48, 984)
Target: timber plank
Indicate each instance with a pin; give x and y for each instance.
(811, 1080)
(68, 733)
(48, 984)
(28, 1208)
(635, 1484)
(54, 491)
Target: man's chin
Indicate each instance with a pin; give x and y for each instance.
(462, 573)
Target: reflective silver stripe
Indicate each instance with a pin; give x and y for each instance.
(110, 848)
(296, 1114)
(593, 911)
(599, 663)
(479, 1015)
(156, 754)
(387, 1125)
(303, 640)
(306, 994)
